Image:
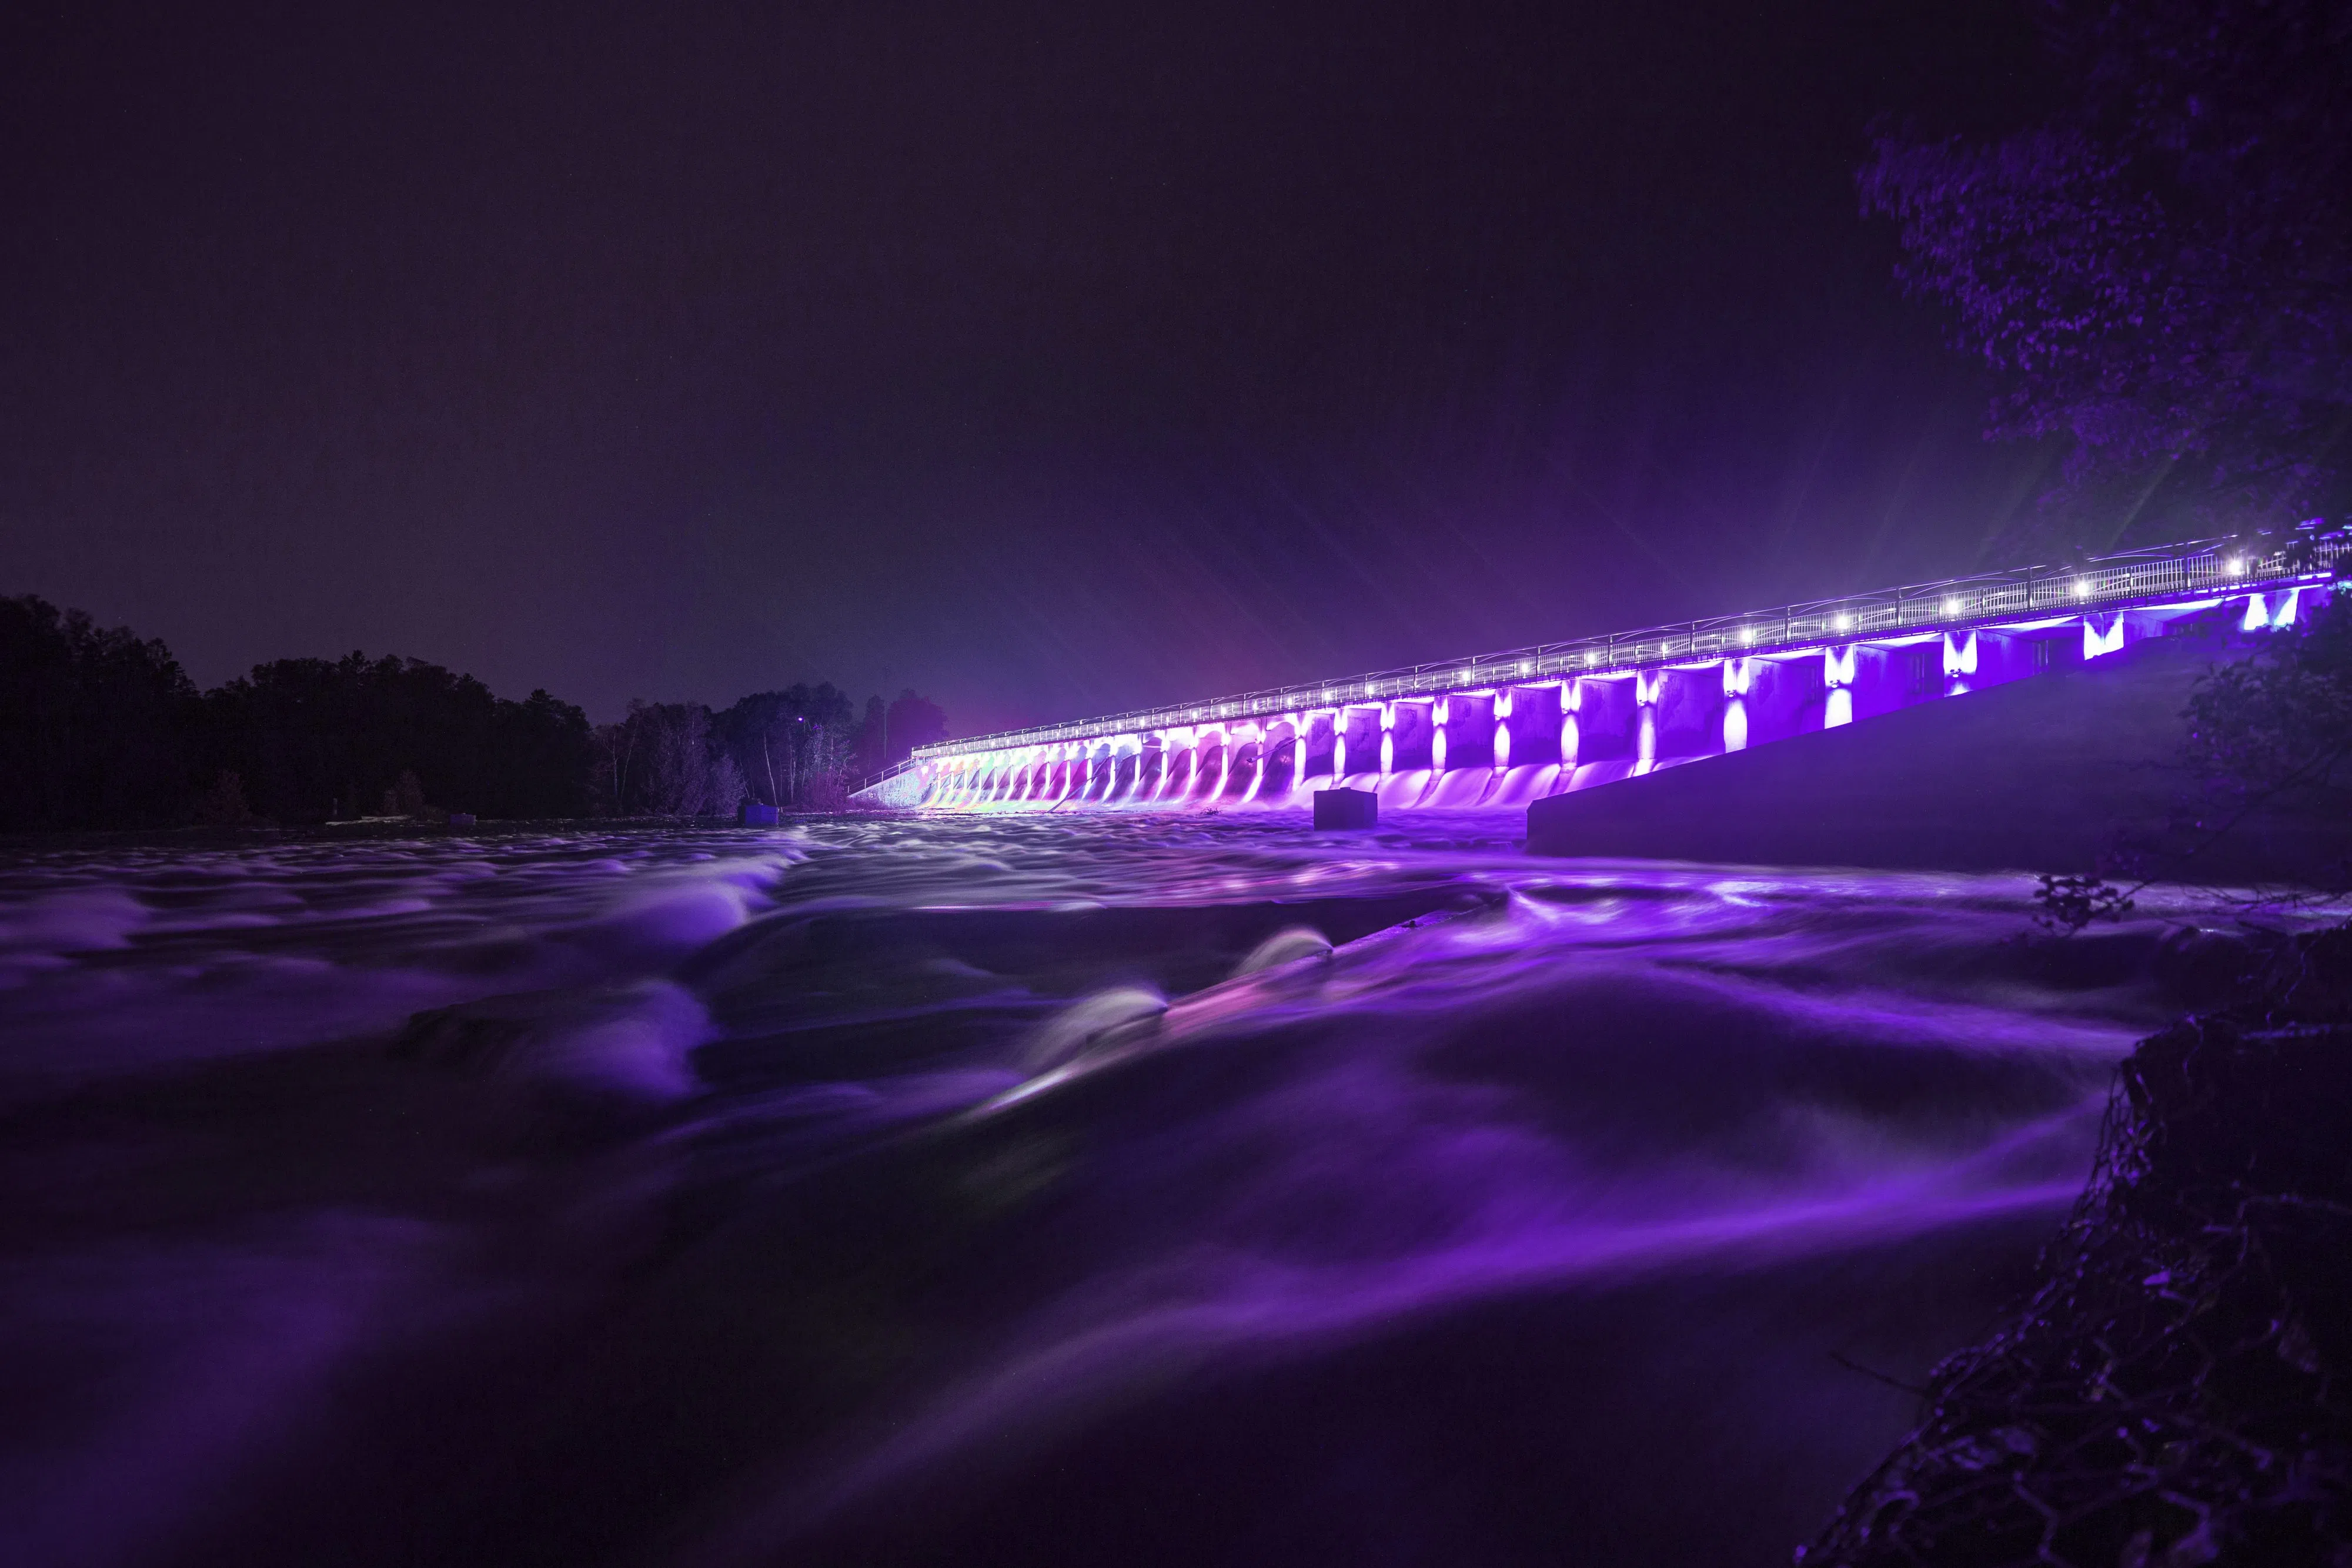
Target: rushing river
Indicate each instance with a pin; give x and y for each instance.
(1021, 1190)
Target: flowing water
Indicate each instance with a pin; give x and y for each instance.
(1020, 1190)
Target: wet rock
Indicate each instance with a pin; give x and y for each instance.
(2202, 968)
(2178, 1375)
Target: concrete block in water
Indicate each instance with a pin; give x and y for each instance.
(461, 819)
(1346, 809)
(755, 815)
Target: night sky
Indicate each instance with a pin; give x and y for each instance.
(1050, 359)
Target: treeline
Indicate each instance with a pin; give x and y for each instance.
(804, 748)
(102, 729)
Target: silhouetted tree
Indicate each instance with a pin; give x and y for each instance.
(913, 721)
(796, 748)
(95, 726)
(538, 759)
(101, 730)
(2162, 274)
(407, 796)
(874, 736)
(666, 760)
(223, 805)
(313, 738)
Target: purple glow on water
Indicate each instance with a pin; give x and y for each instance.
(930, 1178)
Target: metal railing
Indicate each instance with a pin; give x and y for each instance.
(901, 766)
(2107, 582)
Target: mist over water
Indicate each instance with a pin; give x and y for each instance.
(1023, 1190)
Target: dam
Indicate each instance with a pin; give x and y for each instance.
(1505, 730)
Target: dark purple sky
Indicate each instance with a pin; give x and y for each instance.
(1051, 360)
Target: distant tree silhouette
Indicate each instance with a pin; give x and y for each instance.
(312, 739)
(2162, 274)
(538, 761)
(224, 806)
(97, 726)
(873, 737)
(665, 759)
(100, 730)
(913, 721)
(407, 796)
(797, 749)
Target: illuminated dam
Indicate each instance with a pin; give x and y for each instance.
(1504, 730)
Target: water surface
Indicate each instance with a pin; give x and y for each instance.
(1015, 1190)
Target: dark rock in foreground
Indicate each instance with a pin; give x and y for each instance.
(2175, 1391)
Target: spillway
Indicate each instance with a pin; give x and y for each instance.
(1504, 730)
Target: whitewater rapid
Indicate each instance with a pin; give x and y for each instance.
(1003, 1190)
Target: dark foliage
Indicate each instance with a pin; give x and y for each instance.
(103, 731)
(311, 738)
(96, 727)
(799, 748)
(911, 721)
(2176, 1390)
(665, 759)
(2064, 904)
(223, 805)
(2162, 275)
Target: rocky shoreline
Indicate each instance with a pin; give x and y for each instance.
(2174, 1391)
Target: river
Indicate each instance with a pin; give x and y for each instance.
(1036, 1190)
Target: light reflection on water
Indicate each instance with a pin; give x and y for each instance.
(1001, 1190)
